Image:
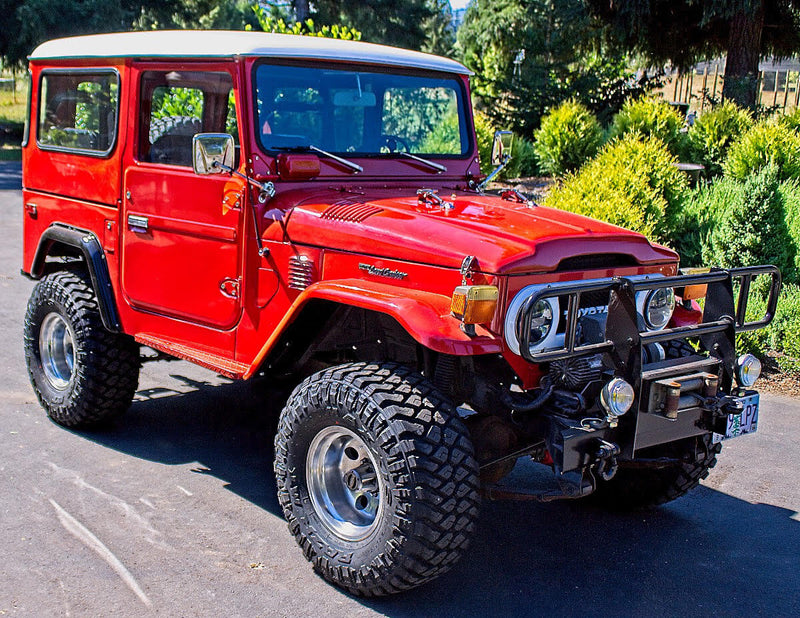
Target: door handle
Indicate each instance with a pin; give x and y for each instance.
(138, 224)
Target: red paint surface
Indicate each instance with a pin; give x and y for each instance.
(351, 227)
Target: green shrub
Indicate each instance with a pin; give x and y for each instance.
(790, 195)
(485, 134)
(770, 142)
(567, 137)
(754, 230)
(714, 132)
(651, 117)
(701, 212)
(791, 120)
(631, 183)
(782, 336)
(523, 160)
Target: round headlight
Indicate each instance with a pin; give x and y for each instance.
(748, 368)
(617, 397)
(658, 308)
(541, 322)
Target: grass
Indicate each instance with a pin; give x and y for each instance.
(12, 120)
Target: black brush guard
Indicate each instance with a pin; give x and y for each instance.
(571, 444)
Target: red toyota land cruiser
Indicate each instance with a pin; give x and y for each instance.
(311, 208)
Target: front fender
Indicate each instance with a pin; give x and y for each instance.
(424, 315)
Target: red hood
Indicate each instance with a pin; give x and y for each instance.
(506, 237)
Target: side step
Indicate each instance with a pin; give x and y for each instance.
(222, 365)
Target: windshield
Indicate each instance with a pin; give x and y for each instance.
(360, 112)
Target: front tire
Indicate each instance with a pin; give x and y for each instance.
(376, 477)
(81, 373)
(642, 487)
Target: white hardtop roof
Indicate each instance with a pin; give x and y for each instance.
(225, 44)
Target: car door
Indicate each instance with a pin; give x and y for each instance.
(181, 232)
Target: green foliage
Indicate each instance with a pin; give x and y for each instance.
(648, 116)
(523, 160)
(713, 133)
(631, 183)
(269, 23)
(789, 191)
(485, 135)
(703, 211)
(568, 136)
(408, 24)
(530, 55)
(176, 101)
(766, 143)
(754, 230)
(791, 120)
(782, 336)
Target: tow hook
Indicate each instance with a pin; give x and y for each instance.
(606, 456)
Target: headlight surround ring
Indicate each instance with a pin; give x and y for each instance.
(658, 308)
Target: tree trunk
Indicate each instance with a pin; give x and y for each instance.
(300, 10)
(744, 52)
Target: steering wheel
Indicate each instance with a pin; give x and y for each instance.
(394, 143)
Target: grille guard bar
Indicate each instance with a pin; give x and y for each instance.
(723, 315)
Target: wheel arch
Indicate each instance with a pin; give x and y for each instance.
(61, 240)
(423, 316)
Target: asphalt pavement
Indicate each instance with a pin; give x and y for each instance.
(173, 512)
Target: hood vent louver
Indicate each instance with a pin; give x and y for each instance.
(350, 210)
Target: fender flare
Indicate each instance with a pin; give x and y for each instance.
(91, 250)
(424, 315)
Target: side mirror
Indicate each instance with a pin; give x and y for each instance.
(501, 147)
(212, 153)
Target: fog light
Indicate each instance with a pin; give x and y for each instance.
(748, 369)
(617, 397)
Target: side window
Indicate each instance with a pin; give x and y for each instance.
(78, 111)
(177, 105)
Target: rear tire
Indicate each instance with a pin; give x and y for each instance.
(81, 373)
(376, 477)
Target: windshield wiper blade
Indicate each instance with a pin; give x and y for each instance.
(437, 166)
(310, 147)
(353, 166)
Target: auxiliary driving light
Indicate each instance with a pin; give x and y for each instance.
(748, 368)
(617, 397)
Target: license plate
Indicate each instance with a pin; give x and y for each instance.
(746, 422)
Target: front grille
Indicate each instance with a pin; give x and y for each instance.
(301, 272)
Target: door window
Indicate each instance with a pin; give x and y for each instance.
(176, 105)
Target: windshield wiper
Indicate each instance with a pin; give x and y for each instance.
(437, 166)
(353, 166)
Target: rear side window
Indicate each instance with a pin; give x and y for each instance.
(78, 111)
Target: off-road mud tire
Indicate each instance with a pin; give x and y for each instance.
(424, 457)
(105, 373)
(640, 488)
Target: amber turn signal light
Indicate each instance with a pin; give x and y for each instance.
(693, 292)
(474, 304)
